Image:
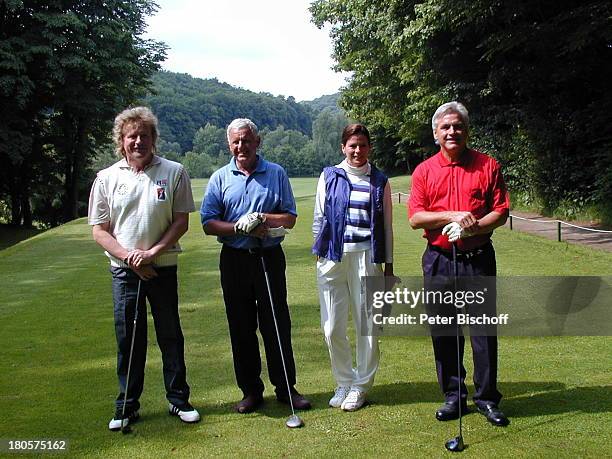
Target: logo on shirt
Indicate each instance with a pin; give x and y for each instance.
(122, 190)
(162, 184)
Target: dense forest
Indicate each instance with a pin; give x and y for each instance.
(67, 68)
(194, 113)
(535, 76)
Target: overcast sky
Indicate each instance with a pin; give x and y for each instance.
(264, 46)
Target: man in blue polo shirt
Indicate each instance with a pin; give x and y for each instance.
(243, 200)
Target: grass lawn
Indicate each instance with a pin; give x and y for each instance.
(58, 361)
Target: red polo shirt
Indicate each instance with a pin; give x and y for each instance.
(474, 184)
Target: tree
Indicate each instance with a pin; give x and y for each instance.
(533, 74)
(210, 140)
(289, 149)
(327, 137)
(198, 165)
(66, 69)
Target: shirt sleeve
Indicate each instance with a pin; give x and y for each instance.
(418, 197)
(500, 201)
(287, 205)
(319, 206)
(212, 204)
(183, 196)
(99, 210)
(388, 219)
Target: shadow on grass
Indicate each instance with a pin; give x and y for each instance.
(11, 235)
(521, 399)
(526, 399)
(552, 398)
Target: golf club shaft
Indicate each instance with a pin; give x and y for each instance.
(280, 346)
(455, 275)
(127, 379)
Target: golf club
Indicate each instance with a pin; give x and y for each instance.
(294, 420)
(125, 428)
(456, 444)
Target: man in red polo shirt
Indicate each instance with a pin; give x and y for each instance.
(459, 196)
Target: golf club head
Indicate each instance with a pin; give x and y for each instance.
(455, 444)
(294, 422)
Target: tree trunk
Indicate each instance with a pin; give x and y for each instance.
(15, 203)
(69, 177)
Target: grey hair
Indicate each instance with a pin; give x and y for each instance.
(135, 115)
(450, 107)
(241, 123)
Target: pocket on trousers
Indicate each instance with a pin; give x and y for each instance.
(324, 266)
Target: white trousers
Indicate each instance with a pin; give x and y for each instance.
(340, 289)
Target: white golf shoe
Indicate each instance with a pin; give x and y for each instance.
(185, 412)
(354, 400)
(115, 423)
(339, 395)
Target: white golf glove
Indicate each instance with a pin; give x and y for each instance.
(249, 222)
(277, 232)
(454, 232)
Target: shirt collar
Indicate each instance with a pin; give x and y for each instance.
(262, 165)
(366, 169)
(464, 160)
(123, 164)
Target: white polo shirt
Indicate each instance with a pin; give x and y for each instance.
(139, 206)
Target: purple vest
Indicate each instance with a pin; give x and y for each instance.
(329, 243)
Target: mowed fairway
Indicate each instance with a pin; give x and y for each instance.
(58, 361)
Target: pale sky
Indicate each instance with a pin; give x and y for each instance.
(262, 45)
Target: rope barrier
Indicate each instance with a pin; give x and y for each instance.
(562, 223)
(557, 222)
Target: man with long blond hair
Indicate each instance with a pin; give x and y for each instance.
(139, 208)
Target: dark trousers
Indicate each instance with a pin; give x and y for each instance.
(484, 348)
(161, 292)
(247, 306)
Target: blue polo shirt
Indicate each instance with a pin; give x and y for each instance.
(231, 193)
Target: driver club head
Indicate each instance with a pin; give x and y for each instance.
(455, 444)
(294, 422)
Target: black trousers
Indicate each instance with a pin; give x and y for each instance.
(484, 348)
(247, 306)
(161, 292)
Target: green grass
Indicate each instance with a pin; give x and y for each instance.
(58, 361)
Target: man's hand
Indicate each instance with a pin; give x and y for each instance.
(261, 231)
(249, 222)
(138, 258)
(454, 232)
(466, 219)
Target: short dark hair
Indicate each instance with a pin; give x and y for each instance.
(355, 129)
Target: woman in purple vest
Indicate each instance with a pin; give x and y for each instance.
(353, 238)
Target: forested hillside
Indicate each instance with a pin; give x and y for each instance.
(184, 104)
(194, 113)
(535, 76)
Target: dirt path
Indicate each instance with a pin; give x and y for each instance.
(568, 233)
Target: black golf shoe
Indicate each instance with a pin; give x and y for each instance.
(493, 414)
(450, 411)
